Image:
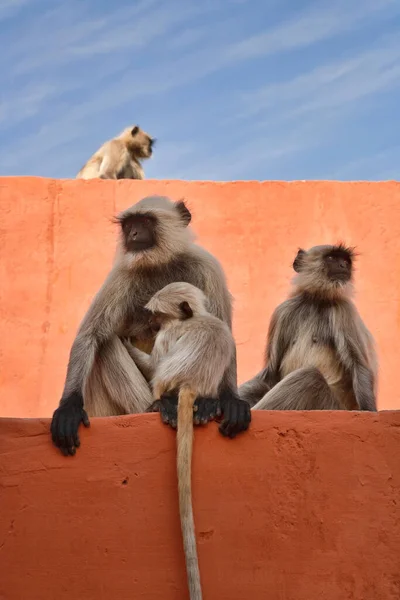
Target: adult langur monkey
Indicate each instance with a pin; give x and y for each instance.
(191, 353)
(121, 157)
(156, 248)
(319, 353)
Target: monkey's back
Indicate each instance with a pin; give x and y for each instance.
(114, 149)
(194, 352)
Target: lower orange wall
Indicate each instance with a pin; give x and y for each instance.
(301, 507)
(57, 244)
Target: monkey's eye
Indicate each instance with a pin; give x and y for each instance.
(147, 222)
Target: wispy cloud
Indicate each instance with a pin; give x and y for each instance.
(8, 8)
(334, 84)
(226, 95)
(320, 22)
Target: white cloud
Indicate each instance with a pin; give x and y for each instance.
(8, 8)
(330, 86)
(74, 68)
(309, 27)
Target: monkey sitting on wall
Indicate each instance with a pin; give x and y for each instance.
(120, 157)
(319, 353)
(156, 248)
(191, 353)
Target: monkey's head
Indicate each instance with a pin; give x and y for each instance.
(178, 300)
(154, 231)
(139, 143)
(324, 270)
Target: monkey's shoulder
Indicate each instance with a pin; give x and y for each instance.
(309, 320)
(305, 307)
(204, 335)
(195, 266)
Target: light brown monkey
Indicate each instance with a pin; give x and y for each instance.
(319, 353)
(120, 157)
(156, 248)
(192, 351)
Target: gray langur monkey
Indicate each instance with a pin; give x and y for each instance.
(156, 247)
(191, 353)
(319, 354)
(120, 158)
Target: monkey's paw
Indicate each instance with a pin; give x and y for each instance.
(205, 410)
(236, 415)
(167, 406)
(64, 427)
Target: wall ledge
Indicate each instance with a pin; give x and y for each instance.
(303, 506)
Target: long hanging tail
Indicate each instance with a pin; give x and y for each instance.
(184, 468)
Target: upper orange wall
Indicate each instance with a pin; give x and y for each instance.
(57, 244)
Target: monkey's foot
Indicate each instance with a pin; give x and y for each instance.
(167, 406)
(236, 415)
(65, 424)
(205, 410)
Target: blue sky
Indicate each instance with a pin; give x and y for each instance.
(232, 89)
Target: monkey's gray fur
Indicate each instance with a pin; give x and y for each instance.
(156, 248)
(191, 352)
(319, 353)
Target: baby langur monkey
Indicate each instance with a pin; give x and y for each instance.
(192, 351)
(319, 355)
(120, 157)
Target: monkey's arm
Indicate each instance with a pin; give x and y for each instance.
(282, 321)
(115, 158)
(141, 359)
(137, 169)
(103, 318)
(354, 356)
(363, 383)
(253, 390)
(236, 412)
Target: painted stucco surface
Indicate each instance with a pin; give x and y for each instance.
(57, 245)
(302, 507)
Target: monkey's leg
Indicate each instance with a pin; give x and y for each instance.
(304, 389)
(140, 358)
(115, 385)
(167, 406)
(204, 410)
(253, 390)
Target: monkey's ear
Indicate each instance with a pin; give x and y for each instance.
(298, 261)
(135, 131)
(186, 310)
(184, 212)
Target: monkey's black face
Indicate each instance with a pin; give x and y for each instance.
(338, 264)
(155, 322)
(152, 141)
(139, 232)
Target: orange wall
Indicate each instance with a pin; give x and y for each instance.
(301, 507)
(57, 244)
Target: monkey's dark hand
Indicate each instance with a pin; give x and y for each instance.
(205, 410)
(236, 413)
(167, 406)
(65, 424)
